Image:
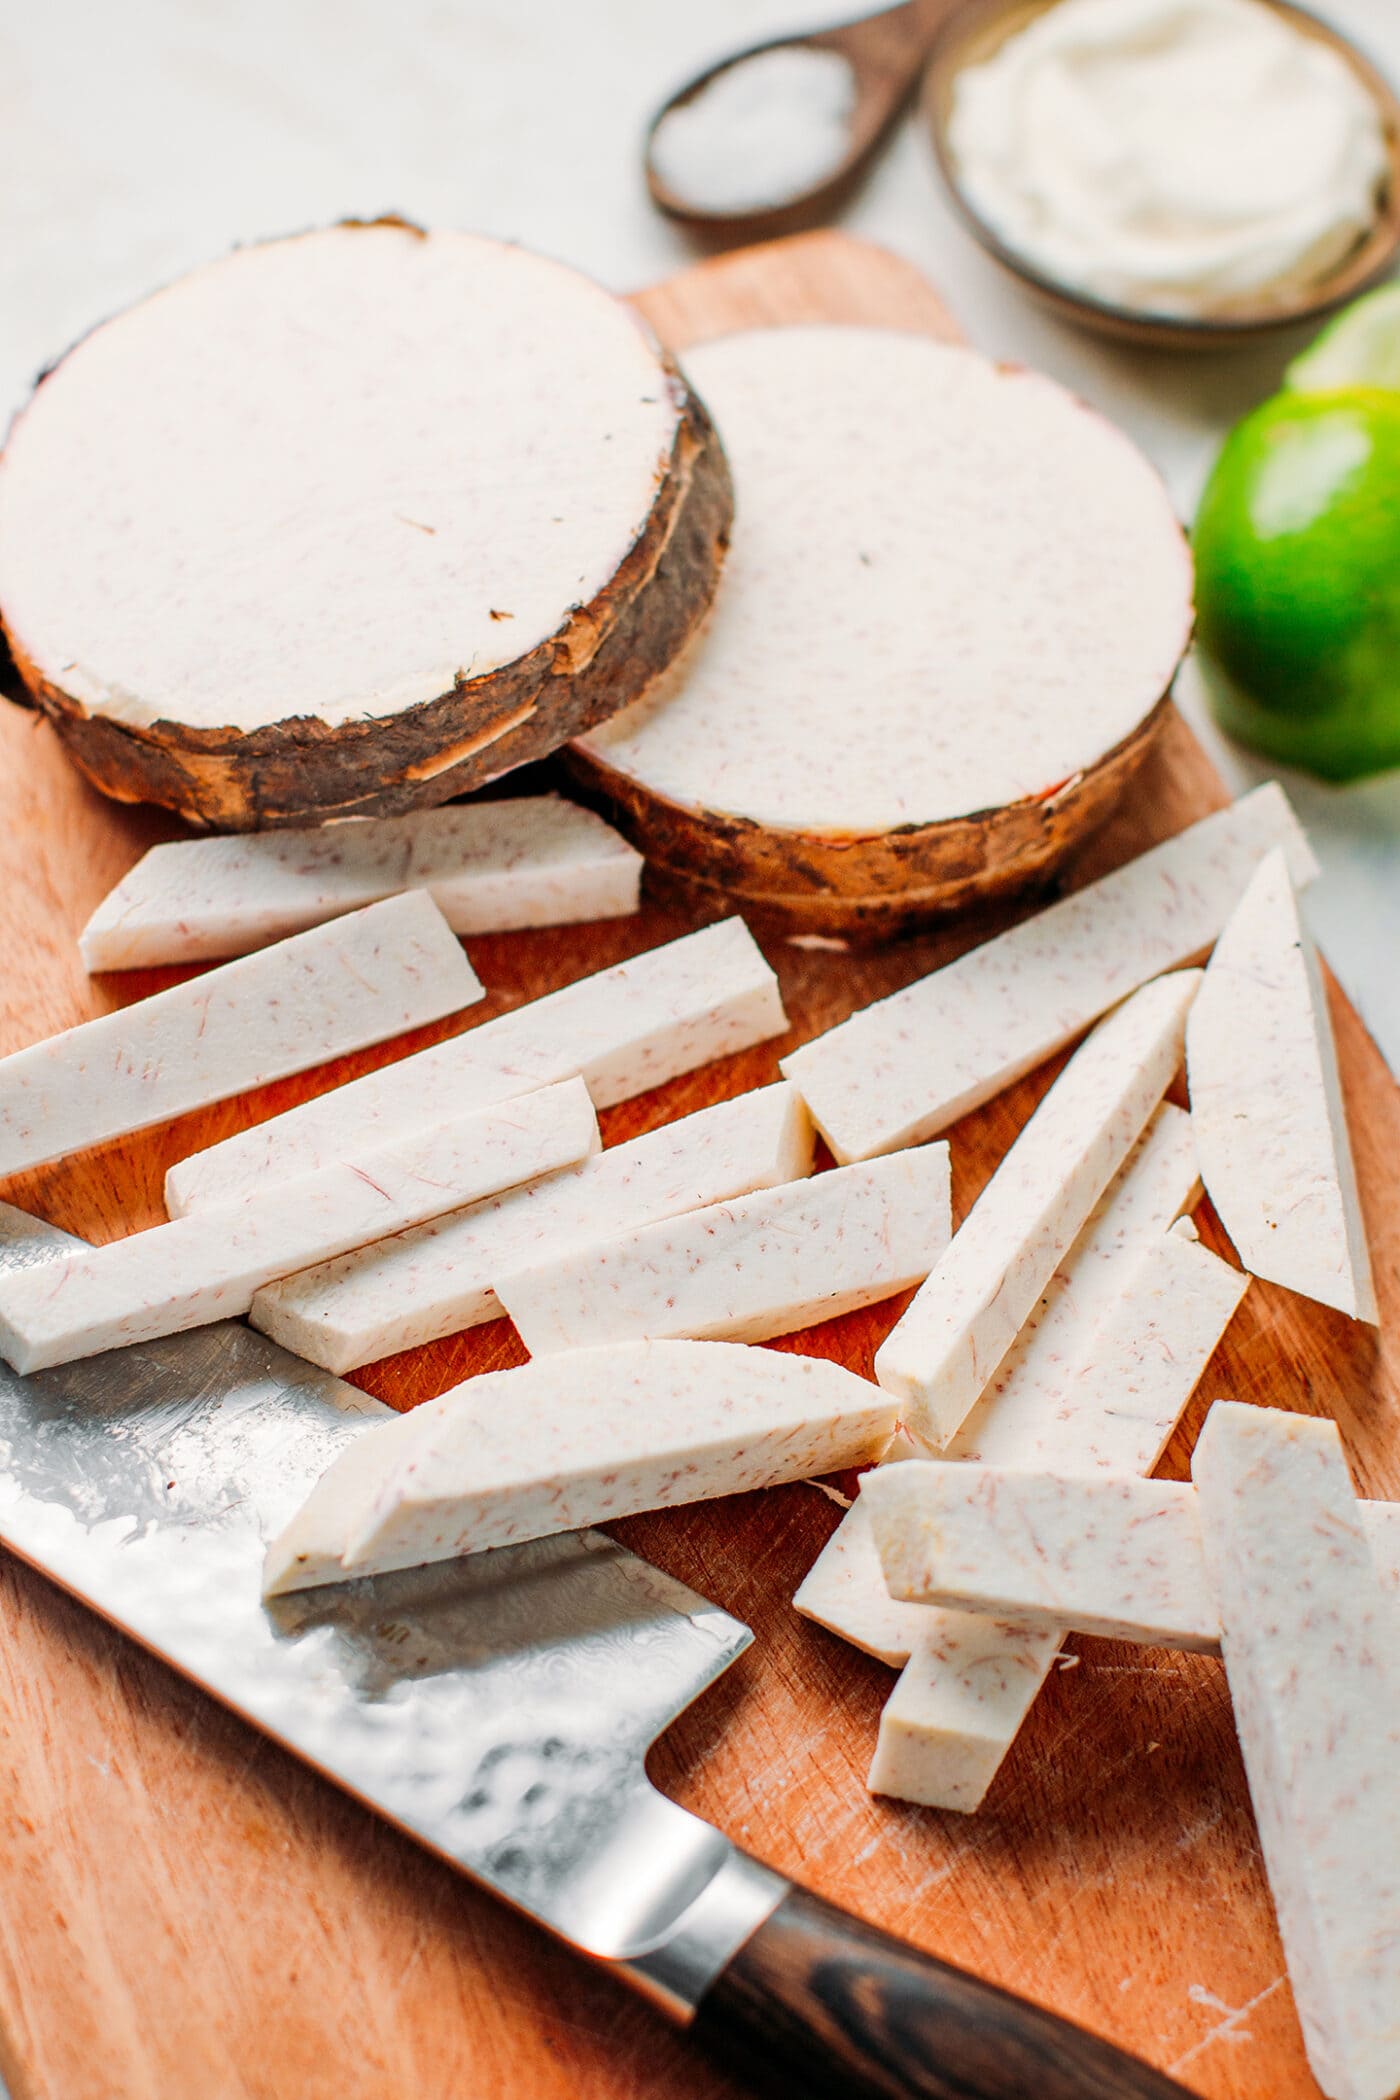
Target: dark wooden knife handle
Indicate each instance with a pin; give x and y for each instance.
(820, 2004)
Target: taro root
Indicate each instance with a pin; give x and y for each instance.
(954, 603)
(350, 523)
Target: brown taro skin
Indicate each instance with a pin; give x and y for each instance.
(298, 770)
(305, 769)
(864, 889)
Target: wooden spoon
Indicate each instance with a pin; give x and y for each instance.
(886, 53)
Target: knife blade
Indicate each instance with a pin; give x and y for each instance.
(499, 1709)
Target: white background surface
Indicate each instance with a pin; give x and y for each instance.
(141, 137)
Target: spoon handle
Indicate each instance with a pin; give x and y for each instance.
(893, 43)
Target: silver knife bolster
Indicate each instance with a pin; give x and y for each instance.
(676, 1973)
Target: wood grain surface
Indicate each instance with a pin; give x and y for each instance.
(187, 1914)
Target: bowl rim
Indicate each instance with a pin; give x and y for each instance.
(979, 27)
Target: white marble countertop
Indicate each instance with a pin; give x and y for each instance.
(138, 140)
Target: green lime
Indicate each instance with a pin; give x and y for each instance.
(1360, 348)
(1297, 545)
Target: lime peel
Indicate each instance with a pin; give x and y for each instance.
(1361, 347)
(1297, 546)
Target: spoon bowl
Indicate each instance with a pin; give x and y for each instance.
(886, 54)
(974, 31)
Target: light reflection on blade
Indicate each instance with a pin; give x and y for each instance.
(498, 1708)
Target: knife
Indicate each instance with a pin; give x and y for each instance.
(499, 1709)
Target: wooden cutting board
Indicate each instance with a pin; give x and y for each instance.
(187, 1914)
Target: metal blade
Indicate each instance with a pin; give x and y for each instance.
(498, 1708)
